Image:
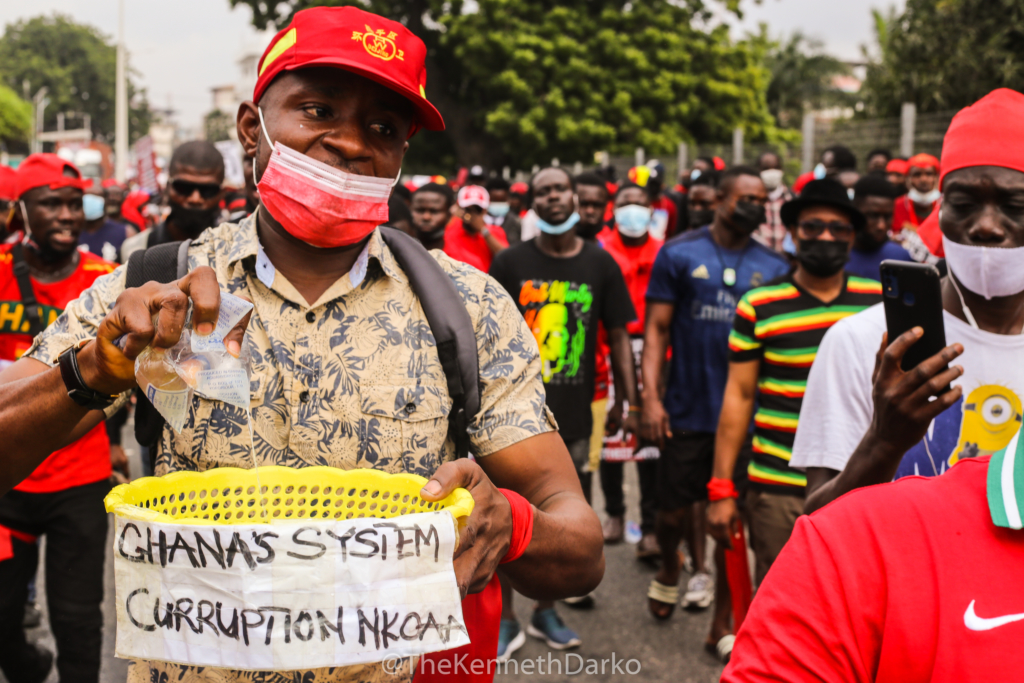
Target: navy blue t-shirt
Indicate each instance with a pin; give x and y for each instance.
(865, 263)
(688, 274)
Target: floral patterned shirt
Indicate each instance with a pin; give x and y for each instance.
(351, 381)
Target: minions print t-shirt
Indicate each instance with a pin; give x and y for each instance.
(837, 406)
(562, 300)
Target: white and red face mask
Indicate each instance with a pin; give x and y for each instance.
(317, 203)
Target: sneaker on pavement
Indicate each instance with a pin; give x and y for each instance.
(614, 530)
(546, 625)
(582, 602)
(700, 592)
(510, 639)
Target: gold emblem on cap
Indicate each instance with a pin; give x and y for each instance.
(379, 44)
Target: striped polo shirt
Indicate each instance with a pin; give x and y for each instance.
(782, 325)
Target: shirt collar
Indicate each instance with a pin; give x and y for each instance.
(246, 243)
(1005, 487)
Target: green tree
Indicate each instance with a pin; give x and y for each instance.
(15, 116)
(218, 126)
(77, 63)
(944, 55)
(522, 81)
(802, 79)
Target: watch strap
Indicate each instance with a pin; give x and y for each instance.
(75, 384)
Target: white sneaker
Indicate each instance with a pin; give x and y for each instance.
(700, 592)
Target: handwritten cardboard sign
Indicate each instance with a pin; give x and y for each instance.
(296, 595)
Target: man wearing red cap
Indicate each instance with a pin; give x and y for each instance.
(63, 497)
(345, 369)
(922, 193)
(916, 580)
(468, 238)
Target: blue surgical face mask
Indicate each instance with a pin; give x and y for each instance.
(498, 209)
(561, 228)
(819, 171)
(94, 206)
(633, 220)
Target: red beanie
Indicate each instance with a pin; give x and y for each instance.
(8, 183)
(990, 132)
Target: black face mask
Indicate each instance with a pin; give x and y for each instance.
(821, 258)
(748, 217)
(701, 217)
(191, 221)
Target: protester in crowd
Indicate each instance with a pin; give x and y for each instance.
(877, 160)
(325, 257)
(114, 194)
(773, 233)
(896, 173)
(8, 184)
(836, 162)
(665, 211)
(196, 173)
(135, 210)
(63, 498)
(468, 237)
(922, 195)
(908, 581)
(844, 443)
(874, 197)
(702, 200)
(563, 285)
(101, 235)
(592, 194)
(634, 250)
(431, 210)
(517, 199)
(500, 212)
(775, 335)
(399, 216)
(697, 280)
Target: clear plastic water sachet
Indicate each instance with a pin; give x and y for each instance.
(197, 364)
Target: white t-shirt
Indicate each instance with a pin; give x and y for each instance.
(837, 406)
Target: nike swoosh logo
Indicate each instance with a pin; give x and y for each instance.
(976, 623)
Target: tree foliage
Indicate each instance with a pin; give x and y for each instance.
(218, 126)
(77, 63)
(802, 79)
(944, 55)
(523, 81)
(15, 116)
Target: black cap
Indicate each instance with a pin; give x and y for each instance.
(824, 192)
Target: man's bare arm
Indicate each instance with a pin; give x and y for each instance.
(655, 421)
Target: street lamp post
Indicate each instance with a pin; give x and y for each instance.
(121, 104)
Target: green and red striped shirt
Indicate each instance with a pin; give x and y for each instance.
(781, 325)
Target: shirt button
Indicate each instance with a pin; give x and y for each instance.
(410, 408)
(310, 317)
(304, 396)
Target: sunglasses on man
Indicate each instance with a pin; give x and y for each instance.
(185, 188)
(813, 229)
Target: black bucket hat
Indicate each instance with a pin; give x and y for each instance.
(824, 192)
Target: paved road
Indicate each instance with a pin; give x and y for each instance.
(620, 624)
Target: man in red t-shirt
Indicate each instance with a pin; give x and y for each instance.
(634, 249)
(922, 195)
(468, 238)
(906, 582)
(63, 497)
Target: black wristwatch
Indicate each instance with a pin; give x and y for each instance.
(77, 390)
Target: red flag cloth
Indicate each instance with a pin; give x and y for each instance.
(482, 615)
(7, 548)
(737, 572)
(990, 132)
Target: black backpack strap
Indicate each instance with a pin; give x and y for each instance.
(452, 328)
(162, 263)
(32, 311)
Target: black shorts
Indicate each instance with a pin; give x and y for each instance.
(684, 469)
(686, 465)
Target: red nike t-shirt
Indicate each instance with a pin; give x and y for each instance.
(88, 459)
(469, 247)
(899, 583)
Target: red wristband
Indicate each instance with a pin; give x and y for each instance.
(522, 525)
(720, 489)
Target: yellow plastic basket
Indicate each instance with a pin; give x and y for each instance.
(227, 495)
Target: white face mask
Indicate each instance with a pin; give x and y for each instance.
(988, 271)
(772, 178)
(924, 197)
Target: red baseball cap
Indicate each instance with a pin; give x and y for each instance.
(901, 166)
(987, 133)
(8, 183)
(474, 195)
(38, 170)
(352, 39)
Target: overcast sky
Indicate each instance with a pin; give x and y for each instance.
(182, 48)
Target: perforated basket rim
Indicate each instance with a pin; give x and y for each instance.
(459, 503)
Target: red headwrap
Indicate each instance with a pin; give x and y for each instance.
(923, 161)
(901, 166)
(8, 183)
(990, 132)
